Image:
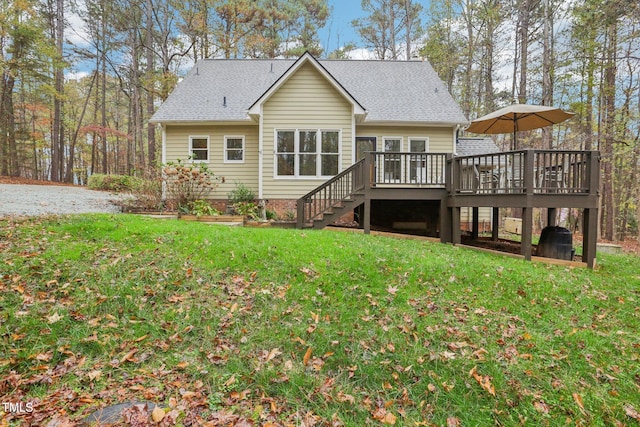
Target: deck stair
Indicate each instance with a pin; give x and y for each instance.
(333, 199)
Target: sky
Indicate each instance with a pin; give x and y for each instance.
(338, 31)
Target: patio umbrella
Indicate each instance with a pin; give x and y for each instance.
(518, 117)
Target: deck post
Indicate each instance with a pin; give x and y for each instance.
(495, 224)
(527, 232)
(300, 214)
(475, 222)
(456, 237)
(368, 182)
(590, 236)
(551, 216)
(367, 216)
(445, 221)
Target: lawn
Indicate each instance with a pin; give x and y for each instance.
(234, 326)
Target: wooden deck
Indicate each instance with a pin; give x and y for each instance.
(525, 179)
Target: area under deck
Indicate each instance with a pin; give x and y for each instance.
(524, 179)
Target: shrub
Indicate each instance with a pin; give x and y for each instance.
(148, 193)
(116, 183)
(247, 209)
(188, 182)
(241, 194)
(202, 207)
(271, 214)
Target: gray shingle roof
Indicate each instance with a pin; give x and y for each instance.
(467, 146)
(389, 91)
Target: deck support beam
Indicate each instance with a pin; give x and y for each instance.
(495, 224)
(527, 232)
(589, 236)
(456, 237)
(367, 216)
(445, 222)
(475, 223)
(551, 216)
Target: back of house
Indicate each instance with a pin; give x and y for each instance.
(283, 127)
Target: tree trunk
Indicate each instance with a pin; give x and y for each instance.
(151, 131)
(57, 140)
(547, 69)
(523, 18)
(609, 92)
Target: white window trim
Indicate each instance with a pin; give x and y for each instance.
(226, 149)
(385, 172)
(384, 139)
(296, 153)
(426, 150)
(419, 138)
(190, 154)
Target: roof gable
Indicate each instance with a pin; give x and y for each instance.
(306, 58)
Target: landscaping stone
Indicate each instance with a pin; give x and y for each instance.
(113, 414)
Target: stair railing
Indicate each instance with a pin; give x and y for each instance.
(331, 193)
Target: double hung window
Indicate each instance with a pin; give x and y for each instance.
(234, 149)
(199, 148)
(311, 153)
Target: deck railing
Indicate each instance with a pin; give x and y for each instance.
(411, 169)
(331, 193)
(525, 171)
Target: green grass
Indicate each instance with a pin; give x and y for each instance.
(215, 321)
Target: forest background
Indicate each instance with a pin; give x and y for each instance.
(81, 78)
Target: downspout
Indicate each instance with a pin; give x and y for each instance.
(456, 133)
(260, 154)
(164, 144)
(164, 160)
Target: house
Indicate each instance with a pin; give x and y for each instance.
(375, 139)
(282, 127)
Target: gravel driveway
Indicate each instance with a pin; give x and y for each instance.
(30, 200)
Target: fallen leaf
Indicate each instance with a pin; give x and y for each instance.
(453, 422)
(94, 375)
(578, 399)
(389, 419)
(53, 318)
(273, 354)
(157, 414)
(631, 411)
(342, 397)
(129, 356)
(230, 381)
(483, 380)
(44, 357)
(541, 406)
(307, 356)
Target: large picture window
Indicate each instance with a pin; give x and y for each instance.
(307, 153)
(199, 148)
(234, 149)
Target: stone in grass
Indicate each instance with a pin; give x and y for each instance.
(113, 414)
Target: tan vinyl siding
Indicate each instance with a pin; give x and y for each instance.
(440, 138)
(307, 101)
(177, 147)
(484, 217)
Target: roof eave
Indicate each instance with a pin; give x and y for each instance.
(203, 122)
(415, 123)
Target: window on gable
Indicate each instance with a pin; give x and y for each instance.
(234, 149)
(199, 148)
(307, 153)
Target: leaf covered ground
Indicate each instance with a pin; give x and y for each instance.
(265, 327)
